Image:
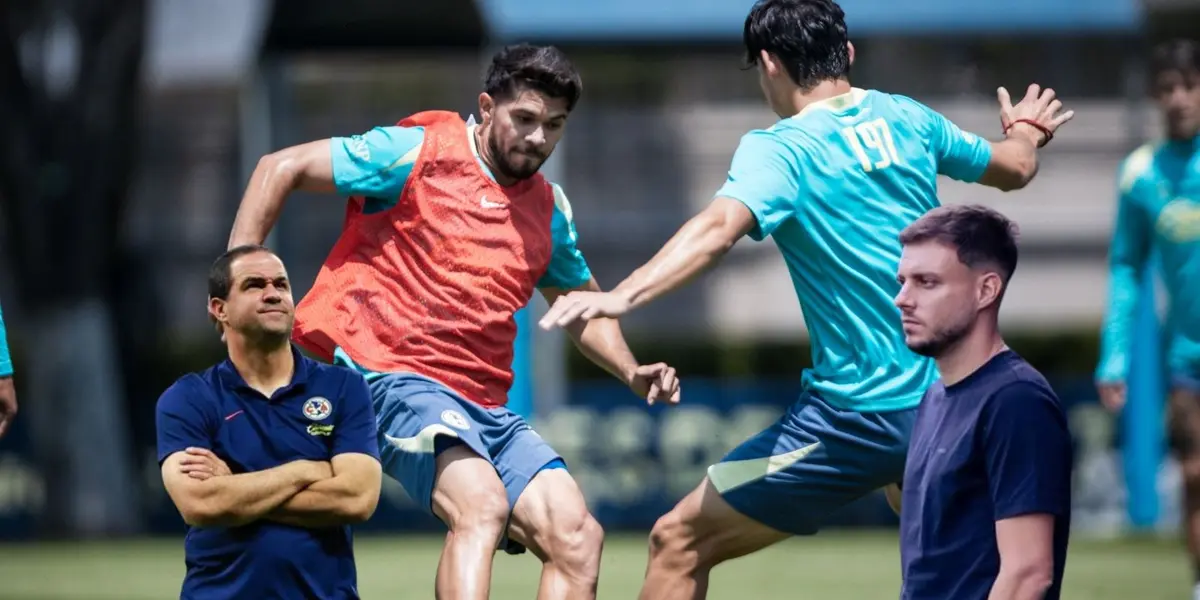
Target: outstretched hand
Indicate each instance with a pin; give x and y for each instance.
(1037, 116)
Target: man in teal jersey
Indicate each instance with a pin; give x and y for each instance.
(8, 392)
(1159, 207)
(834, 182)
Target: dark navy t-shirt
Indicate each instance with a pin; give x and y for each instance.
(325, 411)
(990, 447)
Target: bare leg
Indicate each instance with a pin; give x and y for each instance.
(1185, 425)
(470, 499)
(701, 532)
(552, 520)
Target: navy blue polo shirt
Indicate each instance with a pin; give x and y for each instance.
(990, 447)
(325, 411)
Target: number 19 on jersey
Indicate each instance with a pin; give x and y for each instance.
(872, 144)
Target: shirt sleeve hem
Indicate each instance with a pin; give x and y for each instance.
(757, 234)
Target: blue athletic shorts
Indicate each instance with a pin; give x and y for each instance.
(814, 460)
(420, 418)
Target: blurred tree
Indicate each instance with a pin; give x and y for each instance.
(70, 74)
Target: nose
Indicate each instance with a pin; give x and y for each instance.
(537, 137)
(272, 294)
(1178, 98)
(902, 299)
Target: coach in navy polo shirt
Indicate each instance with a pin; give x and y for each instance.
(268, 456)
(986, 504)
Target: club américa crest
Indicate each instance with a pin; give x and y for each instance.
(317, 408)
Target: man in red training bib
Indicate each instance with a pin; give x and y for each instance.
(448, 231)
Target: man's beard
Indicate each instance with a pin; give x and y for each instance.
(942, 341)
(506, 168)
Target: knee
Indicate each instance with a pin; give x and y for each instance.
(468, 496)
(575, 547)
(483, 511)
(675, 544)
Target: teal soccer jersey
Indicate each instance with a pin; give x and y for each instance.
(834, 186)
(1159, 209)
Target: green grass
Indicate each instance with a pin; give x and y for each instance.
(831, 566)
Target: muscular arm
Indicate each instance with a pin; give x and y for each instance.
(307, 167)
(1026, 557)
(236, 499)
(374, 165)
(349, 497)
(694, 249)
(1014, 161)
(600, 340)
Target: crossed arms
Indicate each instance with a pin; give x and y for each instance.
(302, 493)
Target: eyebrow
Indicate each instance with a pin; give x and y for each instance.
(260, 279)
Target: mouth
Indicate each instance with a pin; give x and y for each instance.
(273, 311)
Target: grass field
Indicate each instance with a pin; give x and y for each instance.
(832, 566)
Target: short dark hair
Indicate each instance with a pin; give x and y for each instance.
(545, 69)
(1179, 54)
(220, 275)
(808, 36)
(980, 234)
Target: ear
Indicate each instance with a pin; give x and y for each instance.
(850, 48)
(486, 105)
(216, 310)
(990, 287)
(770, 66)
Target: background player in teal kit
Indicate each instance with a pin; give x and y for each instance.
(1159, 208)
(834, 182)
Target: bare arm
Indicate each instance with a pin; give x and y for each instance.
(600, 340)
(1026, 557)
(694, 249)
(1014, 161)
(306, 167)
(236, 499)
(349, 497)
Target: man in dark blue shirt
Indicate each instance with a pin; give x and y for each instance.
(986, 501)
(268, 456)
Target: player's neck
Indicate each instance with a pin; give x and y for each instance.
(970, 353)
(265, 365)
(825, 90)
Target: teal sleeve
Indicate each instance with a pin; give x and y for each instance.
(376, 164)
(6, 367)
(568, 270)
(1126, 263)
(764, 175)
(961, 155)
